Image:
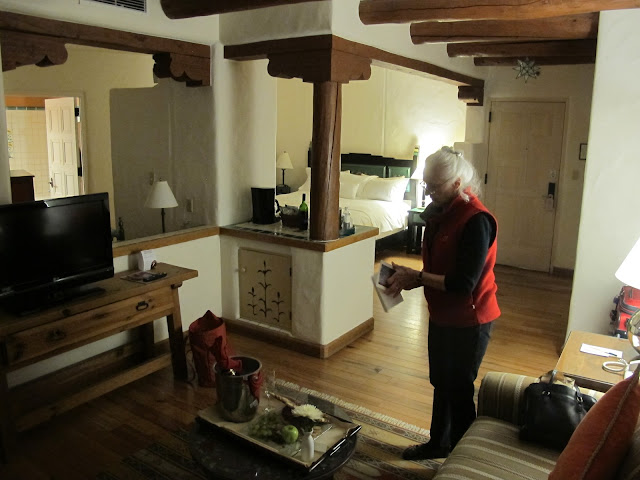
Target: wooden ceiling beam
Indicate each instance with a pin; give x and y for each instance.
(408, 11)
(513, 61)
(197, 8)
(568, 48)
(569, 27)
(307, 46)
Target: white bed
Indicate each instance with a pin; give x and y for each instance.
(389, 217)
(374, 188)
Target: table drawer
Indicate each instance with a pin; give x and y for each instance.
(67, 333)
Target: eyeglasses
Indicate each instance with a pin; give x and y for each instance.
(430, 188)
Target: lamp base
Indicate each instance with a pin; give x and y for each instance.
(281, 189)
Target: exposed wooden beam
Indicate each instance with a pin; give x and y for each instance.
(306, 46)
(198, 8)
(513, 61)
(408, 11)
(563, 28)
(569, 48)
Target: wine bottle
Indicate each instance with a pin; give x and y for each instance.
(304, 213)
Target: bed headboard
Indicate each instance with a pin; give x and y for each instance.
(384, 167)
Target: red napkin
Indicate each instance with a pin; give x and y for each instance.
(208, 338)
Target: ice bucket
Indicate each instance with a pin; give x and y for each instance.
(239, 394)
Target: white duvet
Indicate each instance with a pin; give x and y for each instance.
(387, 216)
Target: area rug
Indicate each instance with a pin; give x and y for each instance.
(378, 453)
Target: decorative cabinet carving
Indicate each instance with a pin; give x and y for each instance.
(265, 287)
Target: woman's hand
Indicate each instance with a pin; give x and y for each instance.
(404, 278)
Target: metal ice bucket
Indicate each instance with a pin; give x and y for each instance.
(239, 393)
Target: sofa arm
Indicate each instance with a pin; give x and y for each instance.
(500, 395)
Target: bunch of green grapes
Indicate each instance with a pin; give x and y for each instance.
(267, 427)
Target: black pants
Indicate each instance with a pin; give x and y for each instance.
(455, 355)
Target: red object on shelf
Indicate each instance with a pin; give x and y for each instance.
(626, 304)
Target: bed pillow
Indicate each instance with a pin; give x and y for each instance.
(351, 184)
(387, 189)
(306, 186)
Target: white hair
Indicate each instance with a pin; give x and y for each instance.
(447, 163)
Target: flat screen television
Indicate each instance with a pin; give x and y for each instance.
(51, 250)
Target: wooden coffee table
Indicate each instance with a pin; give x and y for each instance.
(586, 368)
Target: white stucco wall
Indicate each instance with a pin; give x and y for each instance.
(389, 114)
(570, 84)
(245, 132)
(331, 295)
(609, 226)
(393, 38)
(285, 21)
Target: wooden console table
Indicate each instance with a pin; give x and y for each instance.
(121, 306)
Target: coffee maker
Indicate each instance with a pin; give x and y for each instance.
(265, 205)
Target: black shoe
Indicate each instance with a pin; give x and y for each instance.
(425, 451)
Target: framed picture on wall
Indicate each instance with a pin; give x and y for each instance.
(583, 152)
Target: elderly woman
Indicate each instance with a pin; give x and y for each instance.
(458, 255)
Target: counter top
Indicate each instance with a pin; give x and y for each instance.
(292, 237)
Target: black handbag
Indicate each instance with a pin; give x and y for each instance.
(552, 409)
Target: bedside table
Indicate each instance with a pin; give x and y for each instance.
(414, 230)
(280, 189)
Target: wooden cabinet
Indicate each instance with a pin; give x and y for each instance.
(21, 186)
(121, 305)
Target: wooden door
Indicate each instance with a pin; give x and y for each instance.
(525, 149)
(265, 288)
(62, 146)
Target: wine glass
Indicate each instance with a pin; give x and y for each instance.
(269, 388)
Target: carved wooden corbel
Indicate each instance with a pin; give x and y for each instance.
(320, 66)
(194, 71)
(472, 95)
(20, 49)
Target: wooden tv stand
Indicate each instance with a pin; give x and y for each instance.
(123, 305)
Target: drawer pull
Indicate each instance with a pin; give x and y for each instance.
(56, 335)
(142, 306)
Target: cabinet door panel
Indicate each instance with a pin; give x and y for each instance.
(265, 288)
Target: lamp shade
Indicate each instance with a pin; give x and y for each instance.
(161, 196)
(629, 271)
(284, 161)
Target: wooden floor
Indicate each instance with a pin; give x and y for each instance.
(385, 371)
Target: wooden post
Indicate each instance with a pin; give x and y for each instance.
(325, 161)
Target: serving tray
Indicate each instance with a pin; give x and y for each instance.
(328, 437)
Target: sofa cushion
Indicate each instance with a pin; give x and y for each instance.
(491, 449)
(597, 447)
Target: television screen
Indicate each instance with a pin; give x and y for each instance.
(48, 246)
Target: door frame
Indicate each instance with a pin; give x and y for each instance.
(564, 150)
(86, 172)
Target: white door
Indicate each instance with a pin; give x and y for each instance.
(525, 149)
(62, 146)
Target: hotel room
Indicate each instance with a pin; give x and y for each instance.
(218, 141)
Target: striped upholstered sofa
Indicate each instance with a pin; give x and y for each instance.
(491, 447)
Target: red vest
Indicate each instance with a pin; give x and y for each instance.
(457, 309)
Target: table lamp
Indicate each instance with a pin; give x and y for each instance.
(161, 197)
(284, 162)
(629, 273)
